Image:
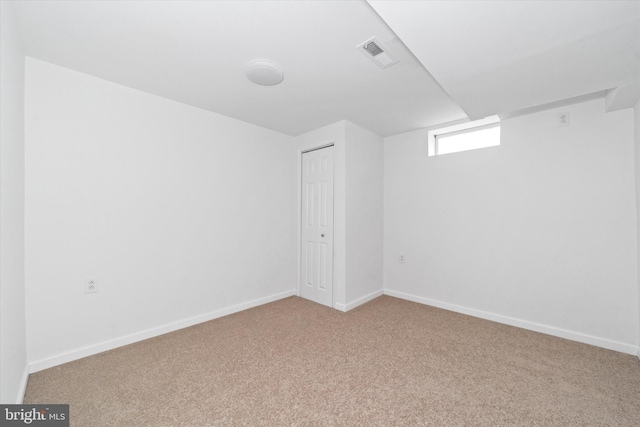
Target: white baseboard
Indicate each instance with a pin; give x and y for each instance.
(359, 301)
(39, 365)
(23, 385)
(340, 307)
(524, 324)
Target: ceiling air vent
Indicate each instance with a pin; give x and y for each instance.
(373, 48)
(377, 52)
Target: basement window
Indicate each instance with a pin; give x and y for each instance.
(466, 136)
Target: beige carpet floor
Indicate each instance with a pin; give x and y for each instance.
(387, 363)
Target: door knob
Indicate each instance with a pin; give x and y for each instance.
(322, 235)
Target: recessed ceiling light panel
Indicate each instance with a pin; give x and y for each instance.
(264, 73)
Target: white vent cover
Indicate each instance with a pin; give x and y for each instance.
(377, 52)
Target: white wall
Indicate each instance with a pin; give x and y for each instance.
(364, 204)
(182, 214)
(539, 232)
(636, 129)
(13, 356)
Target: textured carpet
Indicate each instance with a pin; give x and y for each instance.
(387, 363)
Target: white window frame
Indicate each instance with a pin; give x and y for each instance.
(485, 123)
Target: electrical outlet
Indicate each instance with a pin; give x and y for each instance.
(564, 119)
(90, 285)
(401, 259)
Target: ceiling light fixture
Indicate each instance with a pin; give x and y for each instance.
(264, 73)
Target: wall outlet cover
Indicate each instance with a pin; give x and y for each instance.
(564, 119)
(90, 285)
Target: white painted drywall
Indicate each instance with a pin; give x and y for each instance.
(364, 206)
(178, 211)
(13, 354)
(636, 134)
(331, 134)
(539, 232)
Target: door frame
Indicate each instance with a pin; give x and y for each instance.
(300, 151)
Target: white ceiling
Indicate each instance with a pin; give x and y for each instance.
(196, 52)
(499, 57)
(487, 57)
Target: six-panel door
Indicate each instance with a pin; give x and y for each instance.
(316, 281)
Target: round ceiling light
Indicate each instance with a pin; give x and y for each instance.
(264, 73)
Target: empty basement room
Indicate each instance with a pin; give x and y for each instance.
(319, 213)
